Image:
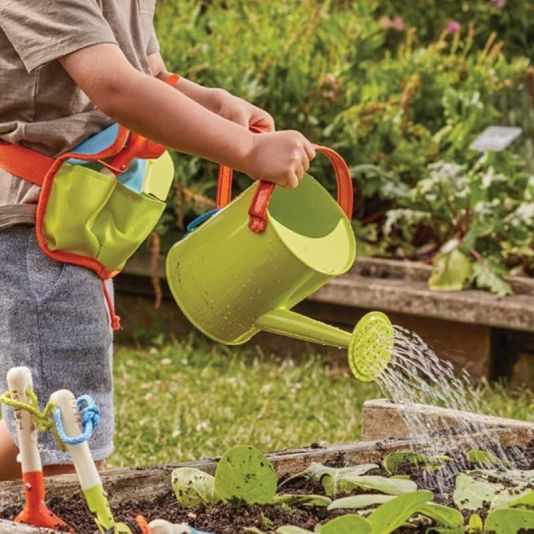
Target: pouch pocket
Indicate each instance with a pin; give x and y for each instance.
(94, 215)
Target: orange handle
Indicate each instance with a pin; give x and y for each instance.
(136, 147)
(260, 203)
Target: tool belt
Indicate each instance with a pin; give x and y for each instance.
(86, 215)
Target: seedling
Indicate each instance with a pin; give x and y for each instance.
(90, 481)
(35, 511)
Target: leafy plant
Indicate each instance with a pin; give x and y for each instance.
(483, 221)
(348, 524)
(476, 488)
(483, 458)
(342, 480)
(443, 515)
(509, 521)
(357, 502)
(421, 461)
(193, 487)
(318, 501)
(393, 514)
(246, 475)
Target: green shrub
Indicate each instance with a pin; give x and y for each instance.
(331, 70)
(511, 20)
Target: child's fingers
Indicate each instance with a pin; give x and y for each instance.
(292, 181)
(300, 171)
(310, 150)
(305, 161)
(266, 122)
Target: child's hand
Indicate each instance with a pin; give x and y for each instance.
(240, 111)
(279, 157)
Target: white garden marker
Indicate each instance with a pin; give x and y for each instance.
(90, 481)
(160, 526)
(36, 513)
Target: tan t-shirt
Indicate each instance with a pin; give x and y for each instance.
(40, 106)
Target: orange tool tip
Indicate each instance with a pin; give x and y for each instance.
(35, 512)
(143, 525)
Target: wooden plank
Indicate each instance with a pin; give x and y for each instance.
(383, 419)
(415, 298)
(8, 527)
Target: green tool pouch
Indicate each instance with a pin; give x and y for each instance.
(86, 215)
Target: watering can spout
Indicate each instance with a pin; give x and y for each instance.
(369, 346)
(292, 324)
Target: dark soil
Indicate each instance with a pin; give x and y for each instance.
(231, 519)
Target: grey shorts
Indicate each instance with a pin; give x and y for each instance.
(53, 319)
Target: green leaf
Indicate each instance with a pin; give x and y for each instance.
(483, 486)
(483, 458)
(245, 474)
(475, 525)
(357, 502)
(393, 514)
(390, 486)
(347, 524)
(253, 530)
(487, 276)
(421, 461)
(509, 494)
(193, 487)
(451, 271)
(471, 493)
(443, 515)
(526, 501)
(319, 501)
(317, 471)
(509, 521)
(321, 473)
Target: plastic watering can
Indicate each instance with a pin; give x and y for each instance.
(244, 268)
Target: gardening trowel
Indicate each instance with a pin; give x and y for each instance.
(90, 481)
(36, 513)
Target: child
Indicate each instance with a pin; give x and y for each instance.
(69, 69)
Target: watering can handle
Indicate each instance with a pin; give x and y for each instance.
(260, 203)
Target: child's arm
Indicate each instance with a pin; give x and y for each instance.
(144, 104)
(217, 100)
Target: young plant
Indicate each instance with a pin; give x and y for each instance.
(419, 461)
(245, 475)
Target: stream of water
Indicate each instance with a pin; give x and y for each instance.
(416, 375)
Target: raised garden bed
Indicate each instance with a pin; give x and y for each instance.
(148, 490)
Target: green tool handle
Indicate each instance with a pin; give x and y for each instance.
(288, 323)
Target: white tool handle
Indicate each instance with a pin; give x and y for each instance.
(160, 526)
(80, 454)
(19, 379)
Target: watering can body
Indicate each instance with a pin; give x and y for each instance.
(227, 279)
(243, 269)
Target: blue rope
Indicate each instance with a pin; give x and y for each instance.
(200, 219)
(90, 415)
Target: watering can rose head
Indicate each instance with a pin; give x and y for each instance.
(232, 280)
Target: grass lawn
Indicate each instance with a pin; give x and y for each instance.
(190, 399)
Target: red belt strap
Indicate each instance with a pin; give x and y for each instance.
(24, 163)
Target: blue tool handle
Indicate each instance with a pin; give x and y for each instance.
(199, 220)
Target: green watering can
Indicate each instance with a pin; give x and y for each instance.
(243, 269)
